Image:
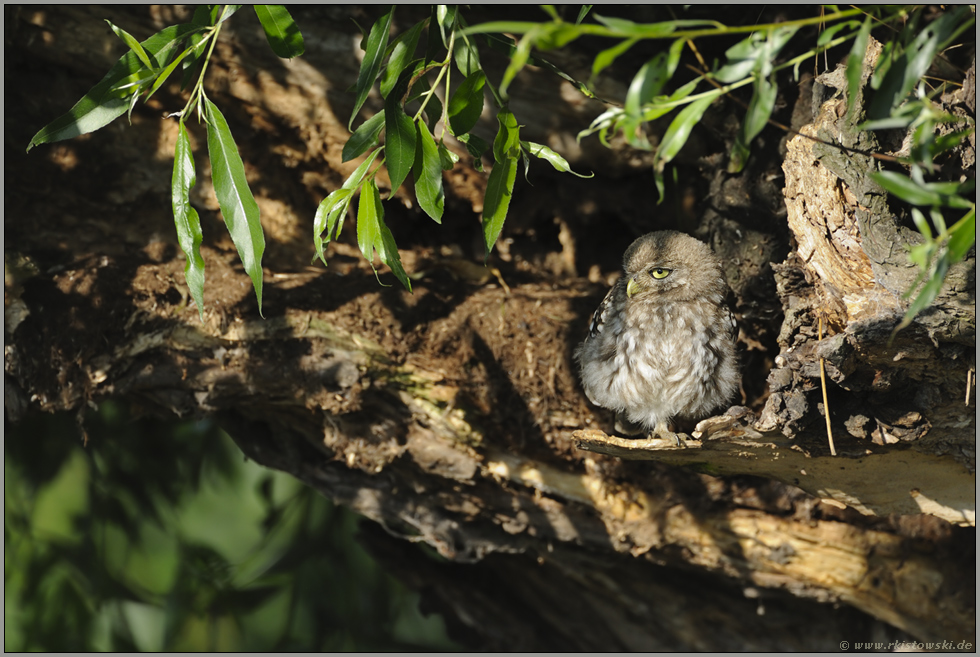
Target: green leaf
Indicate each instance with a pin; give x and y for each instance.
(677, 134)
(389, 256)
(329, 210)
(502, 27)
(627, 28)
(909, 67)
(102, 104)
(931, 194)
(544, 36)
(962, 236)
(680, 128)
(949, 141)
(921, 223)
(828, 35)
(130, 84)
(647, 83)
(399, 143)
(938, 221)
(518, 59)
(466, 105)
(476, 147)
(855, 64)
(372, 233)
(602, 124)
(466, 55)
(507, 142)
(362, 44)
(446, 17)
(332, 210)
(920, 255)
(280, 30)
(736, 69)
(186, 219)
(674, 56)
(617, 27)
(553, 158)
(447, 158)
(665, 104)
(582, 13)
(500, 188)
(500, 184)
(527, 163)
(755, 54)
(132, 103)
(605, 58)
(364, 137)
(221, 13)
(760, 109)
(556, 36)
(198, 46)
(434, 47)
(428, 174)
(162, 78)
(202, 16)
(402, 52)
(928, 293)
(133, 44)
(238, 206)
(369, 213)
(374, 50)
(889, 53)
(507, 47)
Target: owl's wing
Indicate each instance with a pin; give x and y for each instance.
(601, 314)
(732, 322)
(729, 315)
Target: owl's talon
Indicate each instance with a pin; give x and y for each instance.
(661, 431)
(670, 435)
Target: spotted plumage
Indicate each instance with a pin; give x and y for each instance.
(661, 345)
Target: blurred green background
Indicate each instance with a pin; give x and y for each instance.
(161, 536)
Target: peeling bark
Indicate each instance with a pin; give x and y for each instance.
(849, 273)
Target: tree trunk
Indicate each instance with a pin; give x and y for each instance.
(453, 416)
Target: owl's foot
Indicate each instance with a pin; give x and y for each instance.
(661, 431)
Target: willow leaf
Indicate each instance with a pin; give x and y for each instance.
(428, 174)
(186, 219)
(331, 211)
(280, 31)
(103, 104)
(466, 105)
(364, 137)
(374, 50)
(399, 142)
(238, 206)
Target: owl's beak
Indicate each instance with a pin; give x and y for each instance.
(632, 287)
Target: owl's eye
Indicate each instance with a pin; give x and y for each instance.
(660, 272)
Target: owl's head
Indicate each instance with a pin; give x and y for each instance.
(672, 266)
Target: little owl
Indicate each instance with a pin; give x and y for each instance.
(661, 345)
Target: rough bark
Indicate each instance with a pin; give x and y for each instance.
(845, 284)
(449, 416)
